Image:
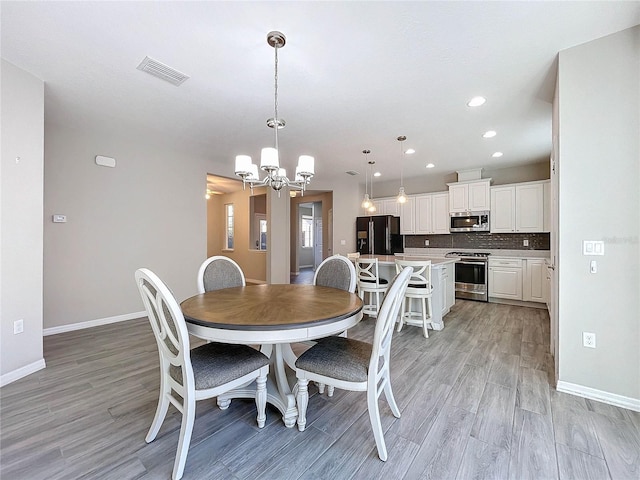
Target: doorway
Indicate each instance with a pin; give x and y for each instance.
(317, 207)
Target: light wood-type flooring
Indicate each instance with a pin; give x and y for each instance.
(476, 399)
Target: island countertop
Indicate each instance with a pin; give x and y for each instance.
(391, 259)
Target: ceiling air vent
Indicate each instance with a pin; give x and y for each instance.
(160, 70)
(351, 172)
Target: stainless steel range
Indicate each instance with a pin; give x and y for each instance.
(472, 275)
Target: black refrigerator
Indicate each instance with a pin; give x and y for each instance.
(378, 235)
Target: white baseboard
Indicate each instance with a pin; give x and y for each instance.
(92, 323)
(605, 397)
(22, 372)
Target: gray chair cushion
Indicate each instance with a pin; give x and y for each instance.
(381, 281)
(337, 357)
(221, 274)
(334, 273)
(215, 364)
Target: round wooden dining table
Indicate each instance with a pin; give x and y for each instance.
(272, 316)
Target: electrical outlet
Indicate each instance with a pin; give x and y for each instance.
(426, 243)
(18, 326)
(589, 339)
(525, 243)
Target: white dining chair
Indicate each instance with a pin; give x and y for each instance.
(219, 272)
(420, 289)
(205, 372)
(336, 271)
(370, 285)
(355, 365)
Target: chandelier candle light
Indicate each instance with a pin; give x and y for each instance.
(269, 162)
(402, 197)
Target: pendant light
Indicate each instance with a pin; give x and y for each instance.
(402, 197)
(372, 208)
(366, 202)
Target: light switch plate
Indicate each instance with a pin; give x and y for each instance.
(59, 218)
(592, 247)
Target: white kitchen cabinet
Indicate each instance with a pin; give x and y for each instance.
(379, 208)
(518, 279)
(408, 216)
(440, 209)
(469, 196)
(390, 206)
(503, 209)
(386, 206)
(534, 284)
(432, 213)
(546, 202)
(505, 278)
(458, 197)
(517, 208)
(449, 282)
(530, 207)
(424, 214)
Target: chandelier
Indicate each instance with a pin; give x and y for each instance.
(276, 177)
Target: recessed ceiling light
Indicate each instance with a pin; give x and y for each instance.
(497, 155)
(409, 151)
(489, 134)
(377, 174)
(476, 101)
(430, 165)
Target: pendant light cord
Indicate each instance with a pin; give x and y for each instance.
(402, 163)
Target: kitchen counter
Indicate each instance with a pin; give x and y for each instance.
(442, 279)
(436, 261)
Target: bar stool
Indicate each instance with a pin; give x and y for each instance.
(421, 289)
(369, 282)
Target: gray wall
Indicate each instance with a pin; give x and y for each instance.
(21, 220)
(599, 174)
(438, 182)
(148, 211)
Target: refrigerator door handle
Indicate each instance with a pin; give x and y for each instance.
(371, 239)
(387, 231)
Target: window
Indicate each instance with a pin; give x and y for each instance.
(307, 231)
(229, 217)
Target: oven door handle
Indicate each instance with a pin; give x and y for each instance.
(472, 263)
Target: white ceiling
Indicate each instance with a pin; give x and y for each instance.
(353, 75)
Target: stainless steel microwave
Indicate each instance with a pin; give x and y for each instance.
(469, 222)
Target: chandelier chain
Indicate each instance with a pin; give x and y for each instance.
(275, 101)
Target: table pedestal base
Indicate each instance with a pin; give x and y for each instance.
(279, 392)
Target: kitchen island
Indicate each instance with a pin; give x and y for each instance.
(442, 278)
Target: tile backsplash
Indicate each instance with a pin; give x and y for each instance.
(507, 241)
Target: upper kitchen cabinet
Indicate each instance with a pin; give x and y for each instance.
(408, 216)
(386, 206)
(518, 208)
(440, 209)
(469, 196)
(432, 213)
(391, 207)
(424, 214)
